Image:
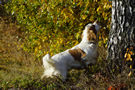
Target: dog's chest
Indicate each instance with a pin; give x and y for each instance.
(88, 47)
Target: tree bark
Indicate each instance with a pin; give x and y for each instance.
(122, 33)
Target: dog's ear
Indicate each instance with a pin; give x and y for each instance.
(93, 29)
(92, 33)
(97, 25)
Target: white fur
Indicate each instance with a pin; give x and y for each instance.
(62, 62)
(59, 64)
(90, 48)
(97, 27)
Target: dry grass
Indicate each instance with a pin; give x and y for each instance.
(14, 62)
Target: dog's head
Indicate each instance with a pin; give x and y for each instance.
(90, 32)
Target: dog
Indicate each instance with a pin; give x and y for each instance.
(78, 57)
(89, 43)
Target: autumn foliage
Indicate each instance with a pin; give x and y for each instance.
(52, 26)
(55, 25)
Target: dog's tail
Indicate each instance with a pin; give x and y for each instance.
(47, 61)
(49, 66)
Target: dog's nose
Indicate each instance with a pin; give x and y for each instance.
(97, 25)
(97, 22)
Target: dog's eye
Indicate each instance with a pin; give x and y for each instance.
(93, 26)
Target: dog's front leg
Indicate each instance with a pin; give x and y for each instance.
(64, 76)
(63, 72)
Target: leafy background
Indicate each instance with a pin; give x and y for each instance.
(32, 28)
(53, 26)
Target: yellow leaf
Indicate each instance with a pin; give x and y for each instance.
(129, 73)
(127, 49)
(131, 52)
(40, 46)
(84, 17)
(71, 10)
(9, 45)
(128, 57)
(130, 66)
(98, 9)
(125, 55)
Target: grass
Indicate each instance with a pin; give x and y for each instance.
(16, 65)
(20, 69)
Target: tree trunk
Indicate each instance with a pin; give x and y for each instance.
(122, 33)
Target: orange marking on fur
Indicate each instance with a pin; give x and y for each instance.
(77, 54)
(92, 33)
(83, 54)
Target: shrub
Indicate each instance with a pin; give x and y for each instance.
(55, 25)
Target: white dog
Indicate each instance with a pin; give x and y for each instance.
(84, 53)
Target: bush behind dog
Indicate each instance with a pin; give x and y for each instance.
(54, 26)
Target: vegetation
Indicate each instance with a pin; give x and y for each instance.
(54, 26)
(31, 28)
